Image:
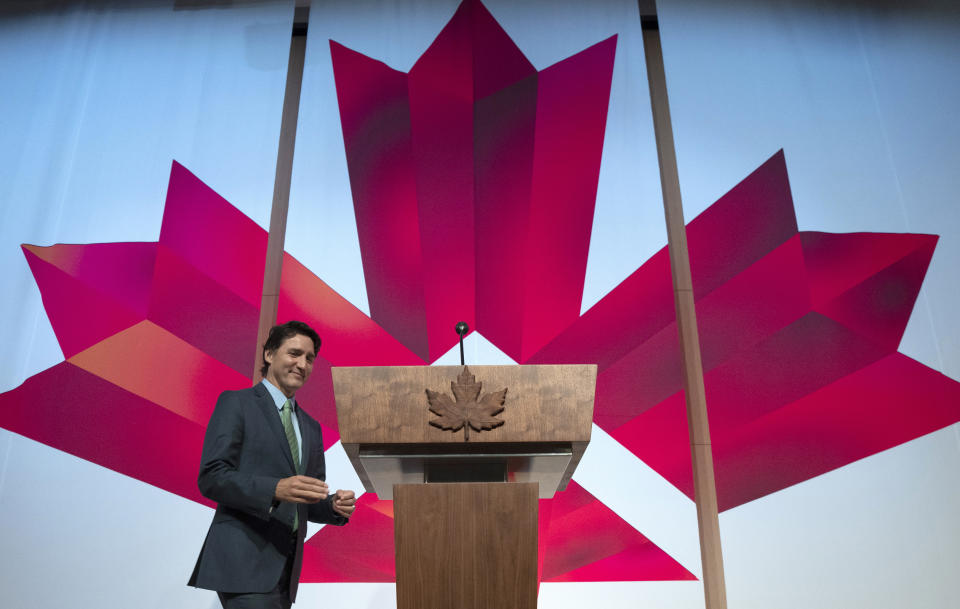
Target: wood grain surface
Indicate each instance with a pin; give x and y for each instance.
(388, 405)
(466, 545)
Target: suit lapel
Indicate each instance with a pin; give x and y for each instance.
(272, 416)
(304, 440)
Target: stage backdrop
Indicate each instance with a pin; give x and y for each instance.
(491, 162)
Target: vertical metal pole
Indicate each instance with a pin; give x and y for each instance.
(705, 490)
(281, 186)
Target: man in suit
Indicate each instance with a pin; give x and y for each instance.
(262, 463)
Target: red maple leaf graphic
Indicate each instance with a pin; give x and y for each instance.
(799, 330)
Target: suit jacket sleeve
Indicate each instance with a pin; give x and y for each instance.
(221, 478)
(323, 512)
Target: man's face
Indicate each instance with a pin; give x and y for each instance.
(291, 364)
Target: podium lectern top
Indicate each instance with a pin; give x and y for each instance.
(393, 434)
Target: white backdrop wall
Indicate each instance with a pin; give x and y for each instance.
(862, 97)
(95, 102)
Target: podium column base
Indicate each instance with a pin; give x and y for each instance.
(466, 545)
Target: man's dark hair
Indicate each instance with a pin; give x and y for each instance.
(279, 334)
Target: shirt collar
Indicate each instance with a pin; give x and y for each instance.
(278, 398)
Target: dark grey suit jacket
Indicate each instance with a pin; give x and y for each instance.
(245, 454)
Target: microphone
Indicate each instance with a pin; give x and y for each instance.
(461, 328)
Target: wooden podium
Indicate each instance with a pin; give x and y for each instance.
(465, 497)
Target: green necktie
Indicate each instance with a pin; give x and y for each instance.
(287, 420)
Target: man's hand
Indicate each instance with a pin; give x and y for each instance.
(301, 489)
(344, 502)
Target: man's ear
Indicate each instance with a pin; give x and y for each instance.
(268, 356)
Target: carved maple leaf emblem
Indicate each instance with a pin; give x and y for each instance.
(467, 411)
